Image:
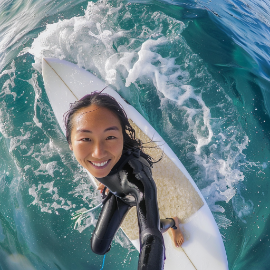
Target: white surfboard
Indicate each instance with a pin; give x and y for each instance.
(203, 248)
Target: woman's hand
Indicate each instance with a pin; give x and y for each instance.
(101, 188)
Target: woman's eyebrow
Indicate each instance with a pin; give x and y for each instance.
(89, 131)
(83, 130)
(111, 128)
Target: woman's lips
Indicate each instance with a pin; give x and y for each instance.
(100, 165)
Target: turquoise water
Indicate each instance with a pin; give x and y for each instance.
(197, 70)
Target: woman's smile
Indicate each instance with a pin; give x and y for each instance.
(100, 165)
(97, 139)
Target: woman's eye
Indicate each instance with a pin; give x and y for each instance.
(110, 138)
(85, 139)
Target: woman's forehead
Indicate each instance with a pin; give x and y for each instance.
(95, 116)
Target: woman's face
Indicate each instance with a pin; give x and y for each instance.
(96, 139)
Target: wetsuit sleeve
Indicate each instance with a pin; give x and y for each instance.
(112, 214)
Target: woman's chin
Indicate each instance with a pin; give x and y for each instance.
(99, 172)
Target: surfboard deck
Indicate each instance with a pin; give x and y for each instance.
(178, 194)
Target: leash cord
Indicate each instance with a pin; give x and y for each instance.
(103, 262)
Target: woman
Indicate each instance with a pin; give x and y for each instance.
(103, 142)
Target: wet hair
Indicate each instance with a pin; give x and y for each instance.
(106, 101)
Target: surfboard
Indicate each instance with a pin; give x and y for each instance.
(178, 194)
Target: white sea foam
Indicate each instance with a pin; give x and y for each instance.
(17, 141)
(222, 221)
(242, 206)
(122, 240)
(4, 120)
(57, 201)
(38, 91)
(9, 83)
(3, 183)
(83, 40)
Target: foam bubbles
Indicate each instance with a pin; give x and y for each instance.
(85, 40)
(222, 221)
(144, 67)
(38, 91)
(16, 141)
(58, 202)
(9, 83)
(242, 207)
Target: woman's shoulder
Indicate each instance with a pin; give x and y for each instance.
(137, 160)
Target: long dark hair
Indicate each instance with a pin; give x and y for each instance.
(106, 101)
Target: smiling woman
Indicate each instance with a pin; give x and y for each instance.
(97, 139)
(104, 143)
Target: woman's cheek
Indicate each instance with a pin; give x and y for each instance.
(79, 150)
(118, 150)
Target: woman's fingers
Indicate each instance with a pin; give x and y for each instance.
(100, 187)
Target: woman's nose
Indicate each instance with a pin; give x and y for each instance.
(99, 151)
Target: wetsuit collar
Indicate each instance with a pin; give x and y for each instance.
(126, 156)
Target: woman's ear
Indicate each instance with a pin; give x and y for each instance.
(70, 147)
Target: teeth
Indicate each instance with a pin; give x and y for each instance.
(100, 164)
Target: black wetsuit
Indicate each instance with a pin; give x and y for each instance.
(131, 184)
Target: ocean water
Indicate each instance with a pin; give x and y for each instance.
(198, 71)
